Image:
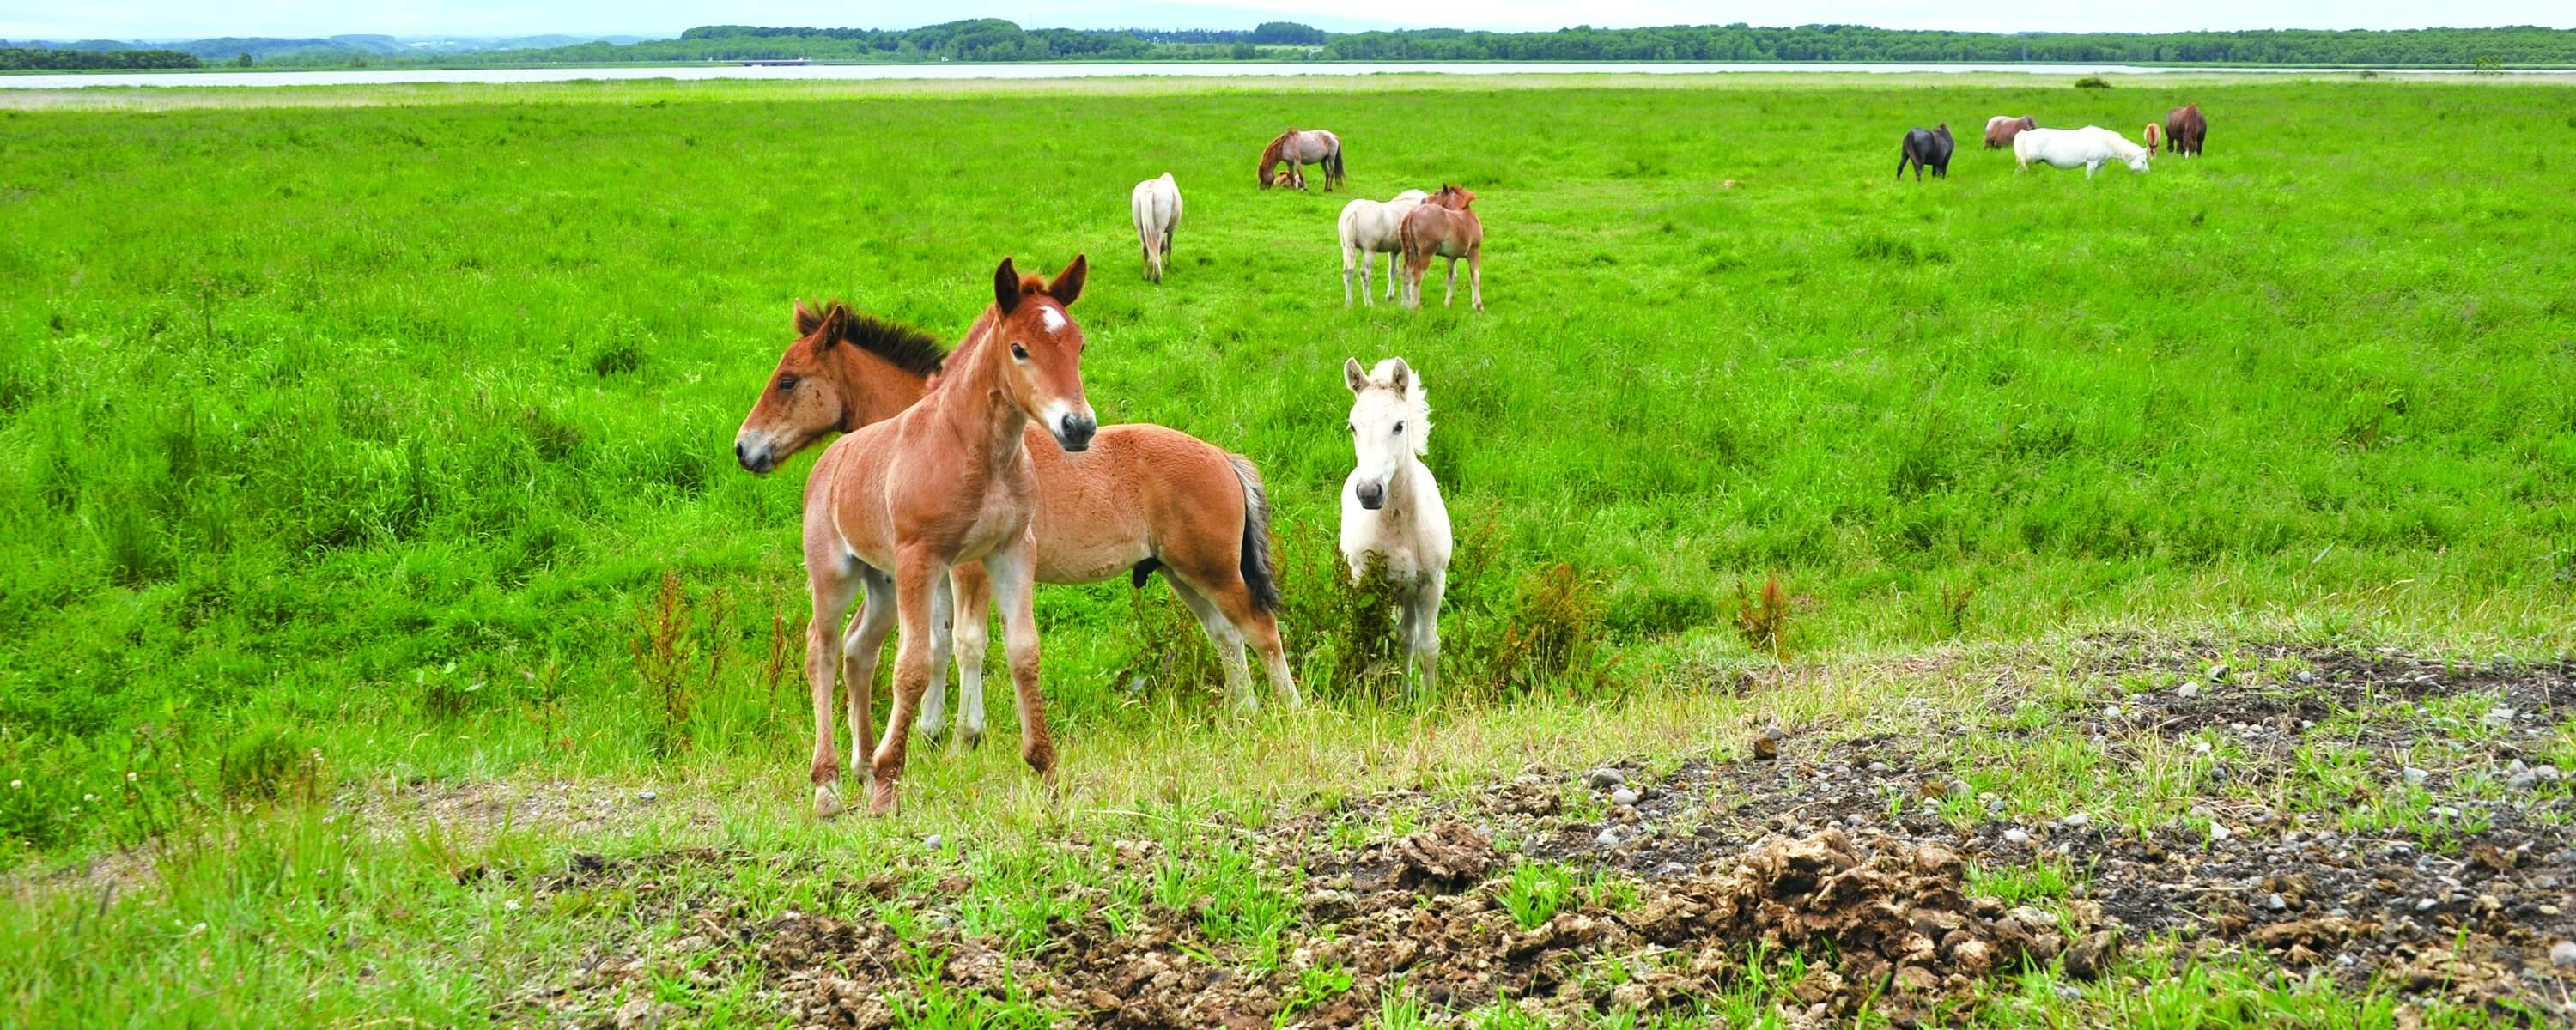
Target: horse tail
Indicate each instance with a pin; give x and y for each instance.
(1260, 577)
(1336, 158)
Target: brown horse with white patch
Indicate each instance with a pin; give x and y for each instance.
(1141, 498)
(1299, 149)
(1443, 227)
(892, 507)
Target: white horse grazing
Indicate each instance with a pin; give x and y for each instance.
(2090, 147)
(1390, 506)
(1370, 229)
(1156, 204)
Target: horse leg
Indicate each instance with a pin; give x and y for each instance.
(1346, 277)
(920, 586)
(1450, 295)
(1391, 273)
(1476, 275)
(859, 651)
(1012, 574)
(1228, 643)
(974, 597)
(834, 582)
(2089, 167)
(1424, 643)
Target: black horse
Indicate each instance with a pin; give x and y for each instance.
(1926, 148)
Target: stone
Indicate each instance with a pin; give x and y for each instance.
(2415, 777)
(2217, 673)
(2187, 690)
(2523, 780)
(2218, 833)
(1623, 796)
(932, 842)
(1608, 837)
(2276, 903)
(1605, 778)
(2304, 676)
(647, 796)
(2076, 821)
(2563, 954)
(2016, 836)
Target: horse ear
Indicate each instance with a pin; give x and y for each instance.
(806, 320)
(1068, 283)
(834, 322)
(1354, 375)
(1006, 287)
(1401, 377)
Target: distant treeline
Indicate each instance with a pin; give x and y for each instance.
(32, 59)
(993, 39)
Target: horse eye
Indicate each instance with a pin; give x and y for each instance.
(1019, 352)
(786, 383)
(1399, 429)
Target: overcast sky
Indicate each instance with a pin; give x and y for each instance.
(179, 19)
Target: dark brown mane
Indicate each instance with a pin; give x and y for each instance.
(907, 348)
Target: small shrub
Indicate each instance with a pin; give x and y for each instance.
(1763, 619)
(2367, 74)
(1172, 650)
(1536, 892)
(680, 653)
(2092, 82)
(1554, 627)
(618, 358)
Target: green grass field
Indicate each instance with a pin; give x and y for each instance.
(353, 459)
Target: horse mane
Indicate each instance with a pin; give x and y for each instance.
(1270, 154)
(905, 347)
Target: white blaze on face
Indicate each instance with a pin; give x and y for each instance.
(1052, 319)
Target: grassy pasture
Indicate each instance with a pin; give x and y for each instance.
(347, 448)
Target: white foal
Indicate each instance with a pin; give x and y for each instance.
(1391, 507)
(1370, 229)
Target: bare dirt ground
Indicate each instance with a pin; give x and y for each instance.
(1861, 857)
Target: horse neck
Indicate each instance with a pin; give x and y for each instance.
(1410, 476)
(969, 403)
(876, 389)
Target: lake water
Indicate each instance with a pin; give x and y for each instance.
(1207, 69)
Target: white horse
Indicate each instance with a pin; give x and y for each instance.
(1156, 203)
(1370, 229)
(2090, 147)
(1391, 507)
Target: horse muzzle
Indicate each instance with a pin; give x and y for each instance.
(1372, 496)
(1073, 432)
(758, 458)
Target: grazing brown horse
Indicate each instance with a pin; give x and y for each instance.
(2001, 129)
(1142, 497)
(2185, 128)
(1299, 149)
(892, 507)
(1443, 226)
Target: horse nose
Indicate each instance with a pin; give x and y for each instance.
(1372, 496)
(756, 461)
(1074, 431)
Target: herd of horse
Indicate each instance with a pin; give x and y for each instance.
(964, 477)
(2182, 132)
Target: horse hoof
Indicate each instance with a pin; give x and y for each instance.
(972, 739)
(881, 798)
(827, 802)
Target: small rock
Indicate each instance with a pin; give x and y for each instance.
(1605, 778)
(2501, 715)
(1631, 996)
(2276, 903)
(2415, 777)
(2304, 676)
(2523, 781)
(2188, 689)
(2516, 766)
(1608, 837)
(2548, 773)
(1878, 767)
(1671, 869)
(647, 796)
(2218, 833)
(1623, 796)
(2111, 712)
(2016, 836)
(2076, 821)
(2563, 954)
(2217, 673)
(2069, 992)
(932, 842)
(1767, 746)
(2426, 904)
(1961, 788)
